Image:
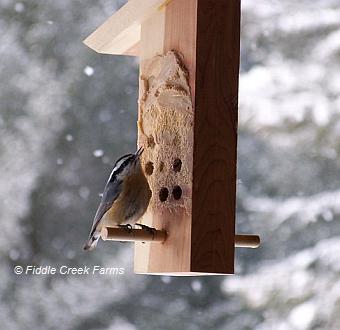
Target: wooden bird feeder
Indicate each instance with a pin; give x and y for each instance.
(187, 124)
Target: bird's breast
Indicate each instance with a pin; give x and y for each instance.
(131, 203)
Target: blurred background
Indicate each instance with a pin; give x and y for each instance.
(66, 114)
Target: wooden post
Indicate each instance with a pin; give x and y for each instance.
(206, 33)
(200, 225)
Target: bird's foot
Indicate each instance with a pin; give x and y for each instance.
(127, 227)
(150, 230)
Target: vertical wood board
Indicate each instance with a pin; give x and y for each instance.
(215, 135)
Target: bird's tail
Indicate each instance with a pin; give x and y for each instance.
(92, 242)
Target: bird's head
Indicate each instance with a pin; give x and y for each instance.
(126, 165)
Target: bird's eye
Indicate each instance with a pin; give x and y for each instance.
(122, 159)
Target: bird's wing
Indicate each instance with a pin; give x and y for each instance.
(110, 194)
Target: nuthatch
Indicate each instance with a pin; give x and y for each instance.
(125, 198)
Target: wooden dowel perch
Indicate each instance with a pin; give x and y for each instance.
(121, 234)
(247, 241)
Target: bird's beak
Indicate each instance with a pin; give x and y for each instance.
(139, 152)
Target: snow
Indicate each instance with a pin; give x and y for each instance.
(69, 137)
(19, 7)
(55, 122)
(292, 280)
(98, 153)
(121, 324)
(196, 285)
(306, 208)
(89, 71)
(301, 317)
(14, 254)
(84, 192)
(166, 279)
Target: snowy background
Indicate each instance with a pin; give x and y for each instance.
(67, 113)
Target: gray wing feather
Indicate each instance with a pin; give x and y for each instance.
(110, 194)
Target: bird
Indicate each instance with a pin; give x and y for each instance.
(125, 197)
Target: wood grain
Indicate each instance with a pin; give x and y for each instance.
(172, 28)
(133, 235)
(180, 35)
(215, 136)
(207, 34)
(121, 32)
(151, 43)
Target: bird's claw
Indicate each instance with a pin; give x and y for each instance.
(127, 227)
(150, 230)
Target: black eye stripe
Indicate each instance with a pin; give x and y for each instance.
(121, 158)
(128, 160)
(128, 157)
(112, 177)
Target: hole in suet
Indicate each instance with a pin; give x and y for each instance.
(177, 192)
(149, 168)
(151, 141)
(177, 165)
(163, 194)
(161, 166)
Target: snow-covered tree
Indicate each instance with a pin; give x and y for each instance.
(67, 113)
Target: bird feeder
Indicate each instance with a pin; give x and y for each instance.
(187, 125)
